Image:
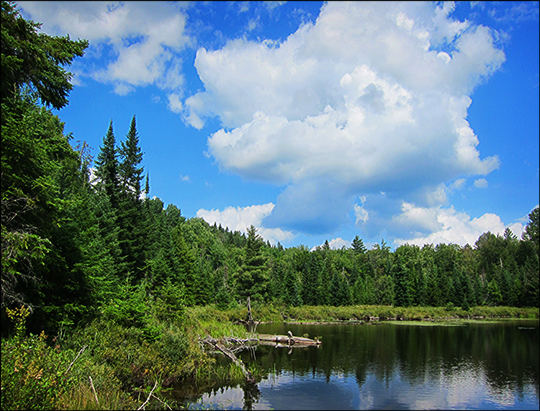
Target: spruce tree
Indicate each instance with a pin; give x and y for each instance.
(107, 167)
(401, 284)
(358, 246)
(292, 289)
(311, 279)
(130, 170)
(252, 277)
(131, 212)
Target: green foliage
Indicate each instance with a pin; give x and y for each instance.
(223, 298)
(252, 278)
(358, 245)
(35, 60)
(384, 290)
(34, 375)
(493, 293)
(532, 230)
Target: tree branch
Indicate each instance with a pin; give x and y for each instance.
(148, 399)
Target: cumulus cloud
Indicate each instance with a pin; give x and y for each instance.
(446, 225)
(241, 218)
(371, 97)
(141, 39)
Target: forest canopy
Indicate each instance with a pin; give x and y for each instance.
(76, 247)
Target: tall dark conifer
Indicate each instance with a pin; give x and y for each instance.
(252, 278)
(131, 211)
(107, 167)
(130, 169)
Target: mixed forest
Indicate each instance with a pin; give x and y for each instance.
(87, 247)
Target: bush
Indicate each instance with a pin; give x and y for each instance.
(34, 375)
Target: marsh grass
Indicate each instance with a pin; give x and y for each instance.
(281, 313)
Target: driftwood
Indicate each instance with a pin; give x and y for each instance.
(228, 353)
(289, 340)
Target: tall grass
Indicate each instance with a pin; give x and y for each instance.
(280, 313)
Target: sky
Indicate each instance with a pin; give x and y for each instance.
(411, 122)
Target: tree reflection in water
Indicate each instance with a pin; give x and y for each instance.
(471, 365)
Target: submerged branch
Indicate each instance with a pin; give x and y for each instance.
(215, 344)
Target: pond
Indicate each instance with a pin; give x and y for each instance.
(393, 365)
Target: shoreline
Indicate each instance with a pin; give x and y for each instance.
(397, 320)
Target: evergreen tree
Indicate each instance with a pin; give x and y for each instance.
(292, 288)
(532, 230)
(223, 297)
(131, 212)
(129, 168)
(107, 167)
(401, 286)
(494, 296)
(457, 292)
(359, 291)
(203, 290)
(37, 164)
(325, 295)
(34, 61)
(384, 290)
(358, 246)
(311, 280)
(252, 278)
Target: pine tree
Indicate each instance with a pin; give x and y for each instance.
(311, 279)
(252, 277)
(358, 246)
(401, 286)
(292, 288)
(130, 170)
(107, 167)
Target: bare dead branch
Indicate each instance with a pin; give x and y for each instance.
(148, 399)
(93, 389)
(80, 352)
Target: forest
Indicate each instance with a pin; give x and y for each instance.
(88, 248)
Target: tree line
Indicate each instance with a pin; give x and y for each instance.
(83, 238)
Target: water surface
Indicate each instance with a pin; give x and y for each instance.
(470, 365)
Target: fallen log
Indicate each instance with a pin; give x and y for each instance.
(288, 339)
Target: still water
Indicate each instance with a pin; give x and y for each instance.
(393, 365)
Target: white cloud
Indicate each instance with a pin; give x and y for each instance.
(141, 38)
(446, 225)
(175, 104)
(372, 97)
(458, 184)
(184, 178)
(338, 243)
(335, 244)
(481, 183)
(360, 213)
(271, 5)
(241, 218)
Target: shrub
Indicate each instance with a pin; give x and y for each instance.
(34, 375)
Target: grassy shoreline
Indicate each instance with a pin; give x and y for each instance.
(366, 313)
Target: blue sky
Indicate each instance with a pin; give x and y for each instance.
(413, 122)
